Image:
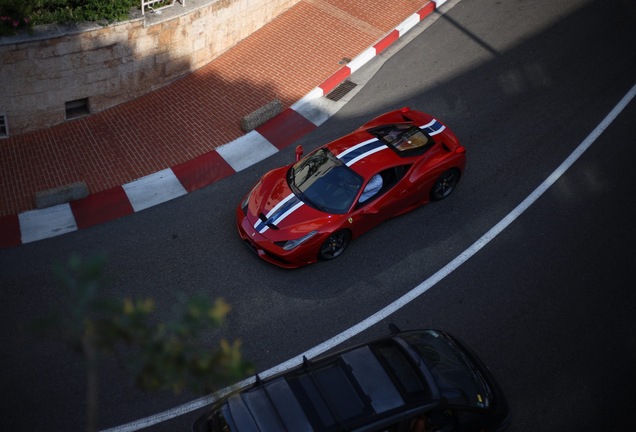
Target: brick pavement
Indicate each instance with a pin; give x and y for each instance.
(190, 118)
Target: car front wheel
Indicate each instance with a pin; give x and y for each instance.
(335, 245)
(445, 184)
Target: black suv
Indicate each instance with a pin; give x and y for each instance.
(421, 380)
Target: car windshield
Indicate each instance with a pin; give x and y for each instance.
(457, 378)
(322, 181)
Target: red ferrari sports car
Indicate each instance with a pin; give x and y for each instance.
(310, 210)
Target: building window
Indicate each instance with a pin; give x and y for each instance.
(4, 126)
(77, 108)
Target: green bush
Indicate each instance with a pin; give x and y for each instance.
(17, 14)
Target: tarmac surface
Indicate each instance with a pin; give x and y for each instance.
(187, 135)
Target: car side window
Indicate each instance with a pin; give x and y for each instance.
(372, 188)
(381, 183)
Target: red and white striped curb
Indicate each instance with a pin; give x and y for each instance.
(151, 190)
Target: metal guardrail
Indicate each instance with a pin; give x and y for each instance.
(163, 4)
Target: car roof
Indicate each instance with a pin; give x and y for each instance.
(327, 395)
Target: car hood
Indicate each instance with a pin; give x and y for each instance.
(278, 214)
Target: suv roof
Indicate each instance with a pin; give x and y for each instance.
(329, 394)
(361, 387)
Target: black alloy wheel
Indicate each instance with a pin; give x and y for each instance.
(445, 184)
(335, 245)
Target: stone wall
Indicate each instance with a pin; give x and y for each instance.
(105, 66)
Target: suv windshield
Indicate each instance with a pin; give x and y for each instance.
(458, 379)
(398, 365)
(322, 181)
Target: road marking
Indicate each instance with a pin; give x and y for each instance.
(154, 189)
(406, 298)
(247, 150)
(45, 223)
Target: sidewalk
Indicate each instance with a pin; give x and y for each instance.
(131, 160)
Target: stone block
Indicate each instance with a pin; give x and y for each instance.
(67, 47)
(261, 115)
(61, 195)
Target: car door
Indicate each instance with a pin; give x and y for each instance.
(389, 201)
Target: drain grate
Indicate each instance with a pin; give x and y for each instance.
(340, 91)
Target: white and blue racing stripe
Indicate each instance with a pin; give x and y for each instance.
(433, 127)
(279, 212)
(360, 151)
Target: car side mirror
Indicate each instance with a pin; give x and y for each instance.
(299, 152)
(393, 328)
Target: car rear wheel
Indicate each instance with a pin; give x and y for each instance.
(445, 184)
(335, 245)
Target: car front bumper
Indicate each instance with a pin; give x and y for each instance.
(300, 256)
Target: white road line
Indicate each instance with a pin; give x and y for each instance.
(408, 297)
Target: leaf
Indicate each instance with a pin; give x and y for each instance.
(220, 310)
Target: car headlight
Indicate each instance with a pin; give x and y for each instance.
(291, 244)
(246, 200)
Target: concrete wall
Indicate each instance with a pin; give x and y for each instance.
(109, 65)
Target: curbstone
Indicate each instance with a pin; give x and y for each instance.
(61, 195)
(261, 115)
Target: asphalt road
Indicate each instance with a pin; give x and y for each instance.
(549, 304)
